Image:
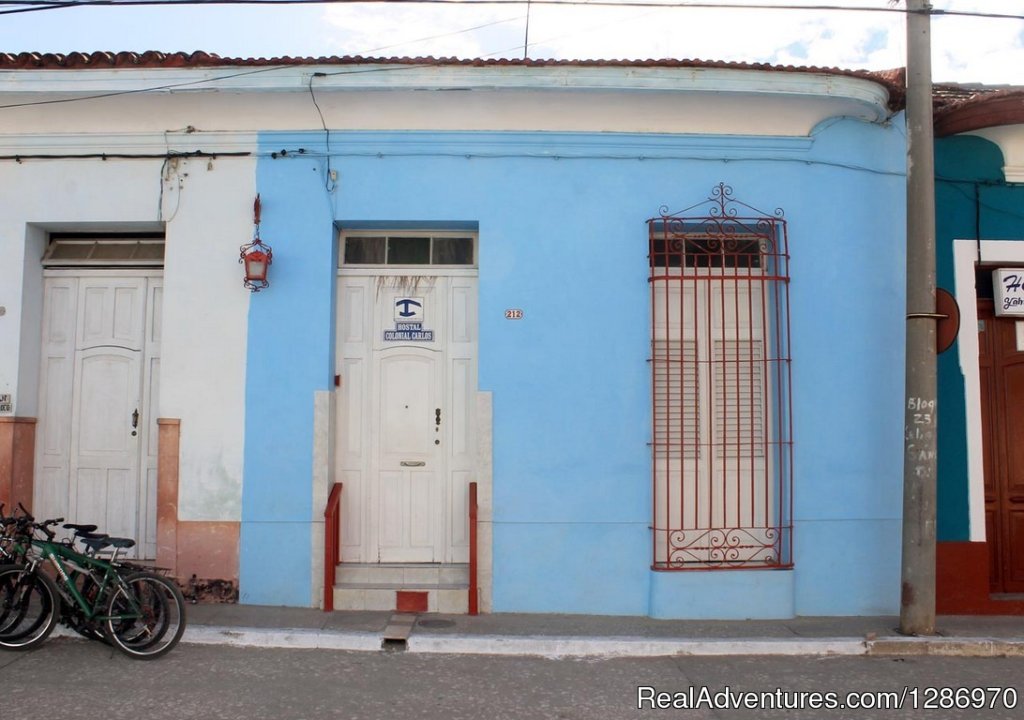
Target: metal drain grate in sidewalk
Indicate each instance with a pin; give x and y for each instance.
(396, 634)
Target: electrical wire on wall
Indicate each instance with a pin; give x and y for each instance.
(330, 182)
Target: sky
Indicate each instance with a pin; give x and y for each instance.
(964, 49)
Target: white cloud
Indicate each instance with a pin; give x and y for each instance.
(964, 49)
(977, 49)
(412, 30)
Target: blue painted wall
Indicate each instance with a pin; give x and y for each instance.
(972, 200)
(290, 356)
(562, 236)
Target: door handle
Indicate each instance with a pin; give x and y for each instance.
(135, 419)
(437, 416)
(413, 463)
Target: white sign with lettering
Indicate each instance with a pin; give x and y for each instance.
(1008, 290)
(409, 322)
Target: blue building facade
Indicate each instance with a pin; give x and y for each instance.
(562, 236)
(463, 291)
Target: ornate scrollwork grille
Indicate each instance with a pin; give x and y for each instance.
(720, 378)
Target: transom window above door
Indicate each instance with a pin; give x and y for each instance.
(431, 249)
(104, 251)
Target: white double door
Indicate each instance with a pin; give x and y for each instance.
(405, 436)
(97, 441)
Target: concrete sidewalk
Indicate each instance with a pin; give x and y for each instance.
(594, 636)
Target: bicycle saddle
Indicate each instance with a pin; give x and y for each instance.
(80, 528)
(101, 541)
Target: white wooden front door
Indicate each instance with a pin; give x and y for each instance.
(99, 382)
(411, 462)
(406, 349)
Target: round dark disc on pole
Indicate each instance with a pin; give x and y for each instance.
(948, 327)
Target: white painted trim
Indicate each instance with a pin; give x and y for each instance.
(659, 100)
(85, 271)
(452, 77)
(399, 271)
(965, 255)
(618, 140)
(322, 477)
(172, 141)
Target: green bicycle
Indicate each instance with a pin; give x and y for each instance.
(139, 612)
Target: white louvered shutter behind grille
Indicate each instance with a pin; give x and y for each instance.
(676, 398)
(739, 398)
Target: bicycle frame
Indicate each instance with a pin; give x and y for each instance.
(68, 563)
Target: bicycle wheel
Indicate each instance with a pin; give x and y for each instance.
(29, 605)
(145, 617)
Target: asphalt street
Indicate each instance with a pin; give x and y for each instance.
(76, 680)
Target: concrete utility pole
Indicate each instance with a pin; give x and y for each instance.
(917, 597)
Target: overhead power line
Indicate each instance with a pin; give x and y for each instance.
(29, 5)
(171, 86)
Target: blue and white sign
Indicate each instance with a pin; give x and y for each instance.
(1008, 290)
(409, 309)
(409, 322)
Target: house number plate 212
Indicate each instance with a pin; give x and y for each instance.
(513, 314)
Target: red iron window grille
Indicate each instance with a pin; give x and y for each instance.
(720, 378)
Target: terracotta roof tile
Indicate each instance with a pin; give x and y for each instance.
(966, 108)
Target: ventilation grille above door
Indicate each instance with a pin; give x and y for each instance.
(65, 252)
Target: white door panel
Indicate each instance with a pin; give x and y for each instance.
(411, 457)
(404, 431)
(53, 441)
(111, 312)
(100, 378)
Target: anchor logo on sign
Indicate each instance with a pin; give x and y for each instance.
(407, 305)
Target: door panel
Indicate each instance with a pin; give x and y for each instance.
(1002, 398)
(409, 455)
(53, 443)
(108, 394)
(99, 379)
(149, 448)
(1013, 564)
(111, 312)
(405, 445)
(410, 461)
(406, 404)
(1012, 459)
(104, 452)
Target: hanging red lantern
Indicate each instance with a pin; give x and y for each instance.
(256, 256)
